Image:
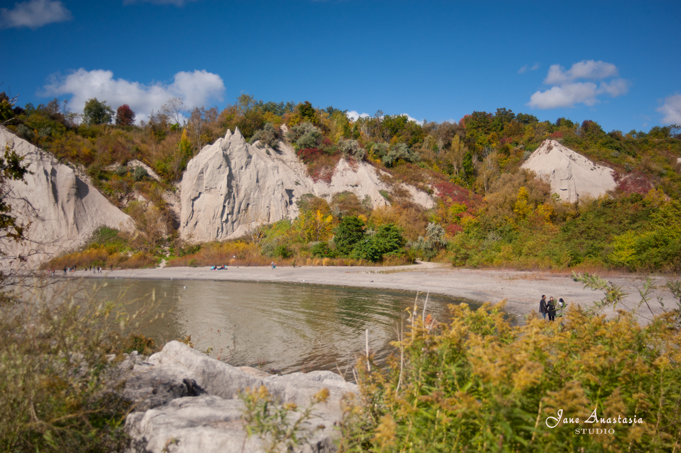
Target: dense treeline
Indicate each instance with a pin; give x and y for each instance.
(488, 213)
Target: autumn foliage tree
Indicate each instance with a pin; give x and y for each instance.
(315, 226)
(125, 116)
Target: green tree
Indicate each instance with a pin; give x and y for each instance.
(307, 112)
(388, 239)
(501, 118)
(11, 168)
(526, 118)
(96, 112)
(347, 234)
(367, 249)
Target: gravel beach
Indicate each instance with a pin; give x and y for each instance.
(521, 289)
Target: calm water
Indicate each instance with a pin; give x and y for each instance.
(284, 327)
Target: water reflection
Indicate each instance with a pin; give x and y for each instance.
(284, 327)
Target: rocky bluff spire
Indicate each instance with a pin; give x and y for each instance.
(570, 174)
(63, 208)
(232, 185)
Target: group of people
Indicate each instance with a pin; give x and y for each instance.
(67, 270)
(550, 307)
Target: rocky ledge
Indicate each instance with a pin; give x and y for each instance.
(186, 401)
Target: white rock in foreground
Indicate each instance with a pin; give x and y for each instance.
(571, 175)
(62, 208)
(231, 186)
(187, 402)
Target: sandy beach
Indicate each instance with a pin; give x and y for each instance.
(521, 289)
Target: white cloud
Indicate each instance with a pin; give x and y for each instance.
(587, 69)
(567, 91)
(34, 14)
(159, 2)
(566, 95)
(194, 88)
(526, 68)
(671, 109)
(354, 116)
(615, 87)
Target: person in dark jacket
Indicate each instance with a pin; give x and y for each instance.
(551, 308)
(542, 306)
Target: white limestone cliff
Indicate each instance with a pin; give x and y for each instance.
(63, 208)
(232, 185)
(571, 175)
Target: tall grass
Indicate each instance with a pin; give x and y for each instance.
(58, 350)
(482, 384)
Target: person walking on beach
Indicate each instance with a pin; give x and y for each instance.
(542, 306)
(551, 308)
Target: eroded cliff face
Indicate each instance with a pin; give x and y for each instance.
(571, 175)
(232, 185)
(62, 208)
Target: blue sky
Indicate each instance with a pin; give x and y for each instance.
(614, 62)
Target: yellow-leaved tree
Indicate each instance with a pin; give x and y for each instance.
(314, 226)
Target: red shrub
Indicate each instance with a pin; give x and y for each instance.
(453, 229)
(309, 155)
(453, 193)
(320, 165)
(633, 183)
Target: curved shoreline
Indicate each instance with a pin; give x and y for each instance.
(521, 289)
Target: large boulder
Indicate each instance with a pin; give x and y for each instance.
(571, 175)
(186, 401)
(62, 207)
(231, 186)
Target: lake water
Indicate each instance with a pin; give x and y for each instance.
(281, 327)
